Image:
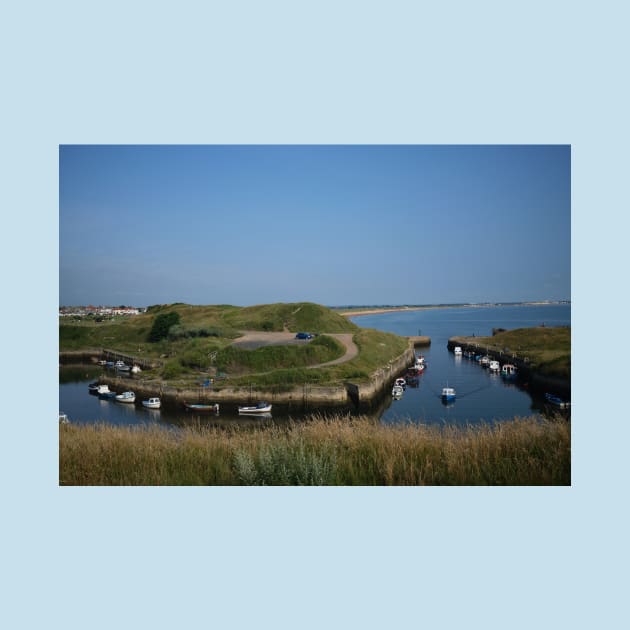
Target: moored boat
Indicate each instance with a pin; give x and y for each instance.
(202, 407)
(494, 366)
(101, 390)
(126, 397)
(457, 350)
(557, 401)
(93, 387)
(260, 407)
(397, 391)
(63, 418)
(152, 403)
(485, 360)
(508, 371)
(401, 382)
(448, 394)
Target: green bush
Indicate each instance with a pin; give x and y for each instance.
(161, 325)
(171, 369)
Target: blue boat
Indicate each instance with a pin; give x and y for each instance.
(448, 394)
(557, 401)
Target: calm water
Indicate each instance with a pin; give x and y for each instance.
(480, 395)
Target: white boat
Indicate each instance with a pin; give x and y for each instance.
(135, 369)
(401, 382)
(261, 407)
(122, 367)
(102, 389)
(397, 391)
(494, 366)
(448, 394)
(152, 403)
(63, 418)
(508, 371)
(457, 350)
(126, 397)
(485, 360)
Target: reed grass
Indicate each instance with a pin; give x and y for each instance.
(320, 451)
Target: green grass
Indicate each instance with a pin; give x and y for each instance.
(339, 451)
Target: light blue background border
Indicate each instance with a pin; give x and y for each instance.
(286, 72)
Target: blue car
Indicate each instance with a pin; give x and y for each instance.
(303, 335)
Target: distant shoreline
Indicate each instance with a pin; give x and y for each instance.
(391, 309)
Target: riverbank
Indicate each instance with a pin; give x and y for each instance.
(341, 451)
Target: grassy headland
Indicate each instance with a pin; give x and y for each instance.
(201, 343)
(340, 451)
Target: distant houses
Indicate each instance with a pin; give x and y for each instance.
(99, 311)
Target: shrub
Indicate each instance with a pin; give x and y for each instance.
(171, 369)
(161, 325)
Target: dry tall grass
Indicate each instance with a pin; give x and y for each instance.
(343, 451)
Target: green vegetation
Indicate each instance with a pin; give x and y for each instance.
(548, 349)
(339, 451)
(162, 324)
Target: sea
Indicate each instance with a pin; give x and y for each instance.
(480, 395)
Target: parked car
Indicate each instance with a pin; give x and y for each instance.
(303, 335)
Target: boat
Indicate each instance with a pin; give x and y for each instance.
(126, 397)
(448, 394)
(508, 371)
(401, 381)
(102, 362)
(397, 391)
(457, 350)
(101, 389)
(494, 366)
(106, 395)
(484, 360)
(93, 387)
(122, 367)
(135, 369)
(63, 418)
(152, 403)
(202, 407)
(260, 407)
(557, 401)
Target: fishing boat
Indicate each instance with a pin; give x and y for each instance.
(457, 350)
(508, 371)
(201, 407)
(484, 361)
(401, 381)
(397, 391)
(448, 394)
(101, 389)
(152, 403)
(494, 366)
(126, 397)
(557, 401)
(260, 407)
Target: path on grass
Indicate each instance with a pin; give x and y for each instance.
(253, 339)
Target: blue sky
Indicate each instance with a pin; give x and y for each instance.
(337, 225)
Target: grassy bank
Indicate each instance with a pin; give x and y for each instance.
(341, 451)
(548, 349)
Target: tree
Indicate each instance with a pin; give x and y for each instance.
(161, 325)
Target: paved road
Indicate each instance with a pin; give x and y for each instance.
(253, 339)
